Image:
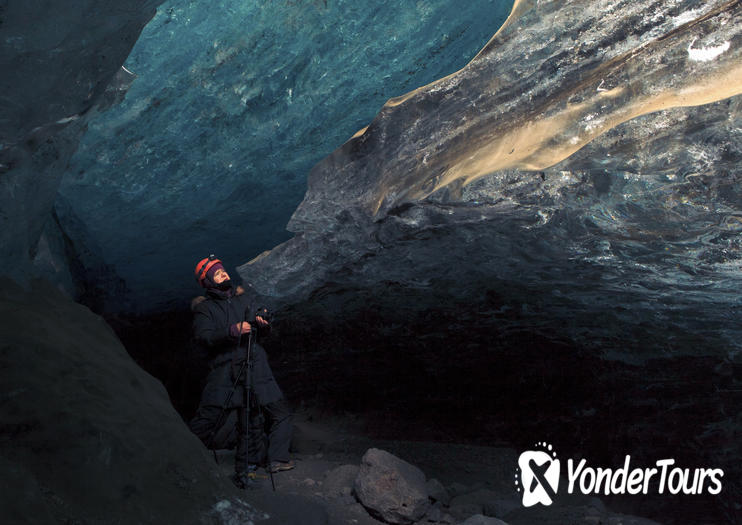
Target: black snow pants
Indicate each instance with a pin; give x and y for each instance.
(269, 426)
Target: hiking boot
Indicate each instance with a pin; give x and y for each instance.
(243, 480)
(278, 466)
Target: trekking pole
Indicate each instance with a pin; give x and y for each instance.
(246, 386)
(225, 405)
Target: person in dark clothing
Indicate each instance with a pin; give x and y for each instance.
(223, 322)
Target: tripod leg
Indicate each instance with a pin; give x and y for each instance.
(245, 450)
(247, 407)
(256, 440)
(268, 457)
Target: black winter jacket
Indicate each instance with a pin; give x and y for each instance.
(212, 320)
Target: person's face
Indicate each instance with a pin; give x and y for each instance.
(220, 276)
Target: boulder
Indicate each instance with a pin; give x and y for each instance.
(390, 488)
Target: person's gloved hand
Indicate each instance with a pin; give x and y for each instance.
(262, 316)
(240, 328)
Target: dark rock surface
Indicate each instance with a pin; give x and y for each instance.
(60, 61)
(85, 432)
(391, 488)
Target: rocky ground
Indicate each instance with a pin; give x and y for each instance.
(417, 396)
(465, 483)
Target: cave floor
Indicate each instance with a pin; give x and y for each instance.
(478, 474)
(459, 408)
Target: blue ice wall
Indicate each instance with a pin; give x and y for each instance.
(234, 102)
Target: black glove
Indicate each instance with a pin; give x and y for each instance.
(264, 314)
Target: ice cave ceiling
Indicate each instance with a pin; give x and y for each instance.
(232, 105)
(580, 176)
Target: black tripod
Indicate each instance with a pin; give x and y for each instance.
(244, 374)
